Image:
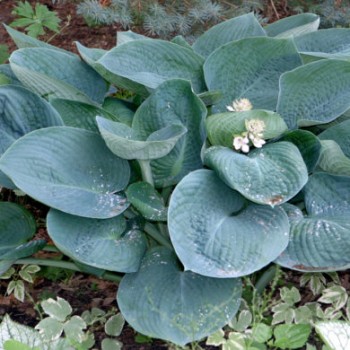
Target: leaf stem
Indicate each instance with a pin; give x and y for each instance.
(64, 265)
(155, 234)
(146, 171)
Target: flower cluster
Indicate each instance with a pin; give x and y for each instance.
(240, 105)
(253, 135)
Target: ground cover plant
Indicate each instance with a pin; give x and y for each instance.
(182, 167)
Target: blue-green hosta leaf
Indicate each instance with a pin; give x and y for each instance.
(269, 175)
(339, 133)
(320, 241)
(106, 244)
(336, 334)
(250, 68)
(150, 62)
(124, 37)
(216, 233)
(325, 43)
(68, 169)
(231, 30)
(180, 40)
(308, 144)
(332, 159)
(294, 26)
(79, 114)
(24, 250)
(17, 226)
(173, 103)
(21, 112)
(123, 110)
(23, 41)
(162, 301)
(222, 127)
(7, 76)
(315, 93)
(147, 201)
(55, 70)
(126, 143)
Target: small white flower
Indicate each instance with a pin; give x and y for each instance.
(240, 105)
(241, 143)
(257, 142)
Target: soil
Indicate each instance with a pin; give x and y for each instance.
(84, 291)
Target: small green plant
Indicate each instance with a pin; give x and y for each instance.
(35, 20)
(18, 278)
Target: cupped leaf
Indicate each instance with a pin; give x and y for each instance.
(123, 110)
(325, 43)
(250, 68)
(222, 127)
(24, 250)
(79, 114)
(339, 133)
(162, 301)
(47, 66)
(173, 103)
(269, 175)
(315, 93)
(150, 62)
(332, 159)
(17, 226)
(147, 201)
(106, 244)
(308, 144)
(231, 30)
(126, 143)
(217, 233)
(68, 169)
(21, 112)
(294, 26)
(320, 241)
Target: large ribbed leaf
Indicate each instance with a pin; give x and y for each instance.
(124, 37)
(250, 68)
(151, 62)
(162, 301)
(68, 169)
(325, 43)
(123, 110)
(106, 244)
(294, 26)
(21, 111)
(57, 68)
(339, 133)
(333, 160)
(22, 41)
(308, 144)
(217, 233)
(79, 114)
(233, 29)
(173, 103)
(336, 334)
(91, 57)
(17, 226)
(315, 93)
(222, 127)
(321, 240)
(269, 175)
(145, 198)
(127, 143)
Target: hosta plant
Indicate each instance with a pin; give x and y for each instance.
(229, 155)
